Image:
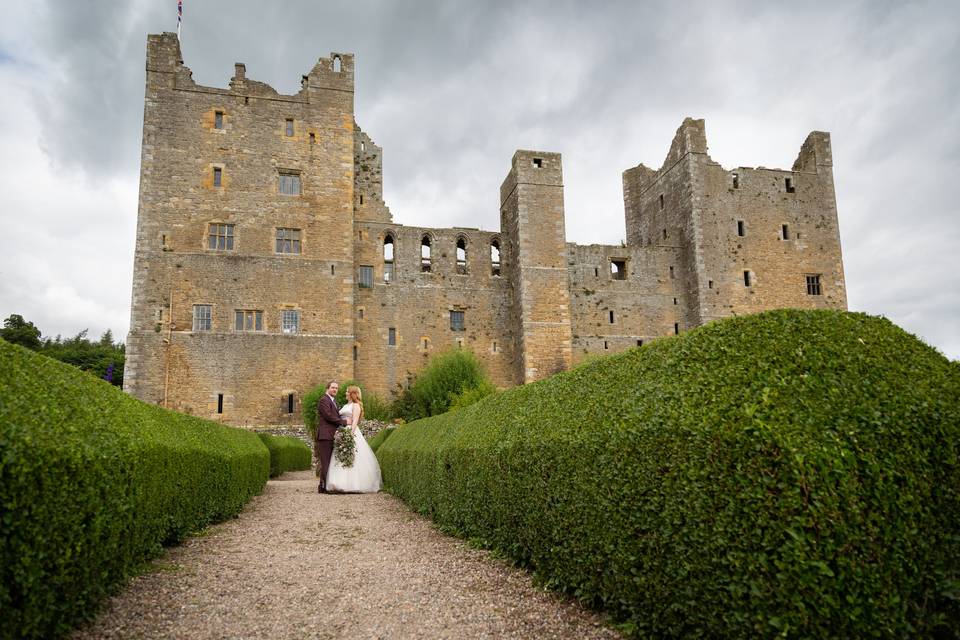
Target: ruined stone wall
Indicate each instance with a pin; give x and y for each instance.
(175, 269)
(417, 305)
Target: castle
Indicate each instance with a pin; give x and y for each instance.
(267, 261)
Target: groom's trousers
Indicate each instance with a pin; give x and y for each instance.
(324, 453)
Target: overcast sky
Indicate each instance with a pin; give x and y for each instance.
(451, 89)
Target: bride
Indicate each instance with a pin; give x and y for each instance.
(364, 475)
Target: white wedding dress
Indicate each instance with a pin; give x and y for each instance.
(364, 475)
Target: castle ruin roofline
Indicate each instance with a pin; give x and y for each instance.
(165, 57)
(815, 155)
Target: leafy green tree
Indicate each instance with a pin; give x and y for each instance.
(18, 331)
(455, 376)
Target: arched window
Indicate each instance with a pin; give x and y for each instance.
(388, 258)
(425, 254)
(461, 256)
(495, 257)
(337, 65)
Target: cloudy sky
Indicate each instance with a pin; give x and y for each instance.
(450, 89)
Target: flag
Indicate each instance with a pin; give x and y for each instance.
(179, 16)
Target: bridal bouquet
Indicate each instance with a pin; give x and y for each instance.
(344, 447)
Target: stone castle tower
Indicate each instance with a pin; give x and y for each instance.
(267, 261)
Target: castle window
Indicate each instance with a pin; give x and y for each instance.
(217, 177)
(392, 336)
(664, 234)
(387, 258)
(709, 284)
(313, 138)
(248, 320)
(289, 129)
(363, 146)
(218, 119)
(639, 343)
(337, 64)
(290, 321)
(611, 317)
(741, 228)
(461, 256)
(671, 272)
(538, 163)
(676, 328)
(606, 345)
(219, 403)
(788, 183)
(456, 321)
(289, 403)
(361, 198)
(813, 285)
(495, 257)
(493, 347)
(366, 277)
(288, 240)
(202, 317)
(289, 183)
(596, 272)
(746, 278)
(359, 313)
(425, 254)
(618, 269)
(674, 301)
(356, 353)
(220, 236)
(736, 181)
(784, 232)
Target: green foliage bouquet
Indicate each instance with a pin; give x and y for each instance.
(344, 446)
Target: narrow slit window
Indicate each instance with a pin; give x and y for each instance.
(674, 301)
(709, 284)
(361, 198)
(661, 202)
(313, 138)
(219, 403)
(676, 328)
(788, 184)
(741, 228)
(217, 177)
(461, 257)
(289, 403)
(611, 317)
(392, 336)
(425, 254)
(746, 278)
(606, 345)
(289, 128)
(664, 234)
(356, 353)
(218, 119)
(785, 232)
(736, 181)
(671, 273)
(495, 258)
(388, 258)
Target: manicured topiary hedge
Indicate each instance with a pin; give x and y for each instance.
(381, 437)
(789, 473)
(93, 482)
(286, 453)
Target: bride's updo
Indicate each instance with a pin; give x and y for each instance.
(354, 395)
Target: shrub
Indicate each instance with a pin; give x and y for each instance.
(792, 473)
(376, 408)
(445, 377)
(93, 482)
(380, 438)
(469, 396)
(286, 453)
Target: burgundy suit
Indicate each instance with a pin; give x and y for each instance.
(328, 419)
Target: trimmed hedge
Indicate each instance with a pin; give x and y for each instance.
(791, 473)
(286, 453)
(94, 482)
(381, 437)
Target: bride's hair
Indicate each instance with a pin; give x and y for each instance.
(354, 391)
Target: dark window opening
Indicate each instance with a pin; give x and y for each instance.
(788, 183)
(392, 336)
(331, 270)
(736, 181)
(664, 234)
(611, 317)
(676, 328)
(813, 285)
(219, 403)
(639, 343)
(596, 272)
(361, 198)
(461, 256)
(741, 228)
(289, 403)
(425, 254)
(674, 301)
(746, 278)
(456, 321)
(661, 202)
(360, 313)
(356, 353)
(605, 345)
(785, 232)
(538, 163)
(218, 119)
(313, 138)
(671, 273)
(709, 284)
(618, 269)
(217, 176)
(494, 347)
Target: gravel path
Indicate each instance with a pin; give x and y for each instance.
(296, 564)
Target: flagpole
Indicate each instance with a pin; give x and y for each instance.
(179, 17)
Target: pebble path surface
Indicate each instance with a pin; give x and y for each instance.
(296, 564)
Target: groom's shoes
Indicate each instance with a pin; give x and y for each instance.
(321, 488)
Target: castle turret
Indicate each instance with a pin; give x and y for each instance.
(532, 222)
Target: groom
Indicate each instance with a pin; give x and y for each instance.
(328, 419)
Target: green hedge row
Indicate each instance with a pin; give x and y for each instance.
(381, 437)
(94, 482)
(785, 474)
(286, 453)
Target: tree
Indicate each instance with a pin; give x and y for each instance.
(106, 340)
(19, 331)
